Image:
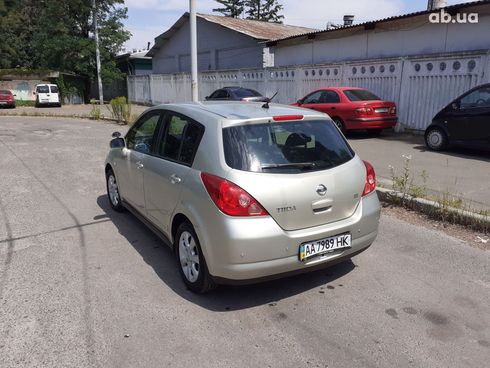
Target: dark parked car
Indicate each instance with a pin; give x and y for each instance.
(465, 121)
(6, 98)
(236, 94)
(352, 108)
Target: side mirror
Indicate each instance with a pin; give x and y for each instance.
(300, 102)
(116, 135)
(117, 143)
(455, 106)
(33, 92)
(206, 98)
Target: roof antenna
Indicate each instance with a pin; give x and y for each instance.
(266, 105)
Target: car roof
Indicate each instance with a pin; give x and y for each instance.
(45, 84)
(238, 110)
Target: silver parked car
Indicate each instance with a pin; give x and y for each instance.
(244, 191)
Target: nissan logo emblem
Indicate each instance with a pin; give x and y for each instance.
(321, 190)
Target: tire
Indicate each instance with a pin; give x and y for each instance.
(190, 260)
(436, 139)
(340, 124)
(113, 192)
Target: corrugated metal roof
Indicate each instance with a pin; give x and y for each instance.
(261, 31)
(448, 9)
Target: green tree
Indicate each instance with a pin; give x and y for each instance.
(231, 8)
(264, 10)
(58, 35)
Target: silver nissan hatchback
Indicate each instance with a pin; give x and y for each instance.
(244, 192)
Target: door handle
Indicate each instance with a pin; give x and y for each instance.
(174, 179)
(333, 108)
(139, 165)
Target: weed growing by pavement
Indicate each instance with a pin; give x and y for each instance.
(120, 110)
(95, 113)
(447, 207)
(404, 183)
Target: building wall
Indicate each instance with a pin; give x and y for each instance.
(218, 48)
(412, 37)
(22, 88)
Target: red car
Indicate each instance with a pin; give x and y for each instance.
(6, 98)
(352, 108)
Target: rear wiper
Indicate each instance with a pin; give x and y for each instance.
(292, 165)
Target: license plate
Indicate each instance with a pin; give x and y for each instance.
(381, 109)
(324, 246)
(3, 102)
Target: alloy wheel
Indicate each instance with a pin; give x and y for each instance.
(189, 256)
(113, 190)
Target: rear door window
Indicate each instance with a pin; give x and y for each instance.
(287, 147)
(181, 139)
(330, 97)
(54, 89)
(42, 89)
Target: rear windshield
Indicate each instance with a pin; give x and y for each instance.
(4, 92)
(42, 89)
(360, 95)
(246, 93)
(289, 147)
(54, 89)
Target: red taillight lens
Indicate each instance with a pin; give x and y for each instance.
(230, 198)
(364, 111)
(287, 117)
(370, 185)
(393, 110)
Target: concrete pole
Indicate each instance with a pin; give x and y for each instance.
(97, 53)
(193, 23)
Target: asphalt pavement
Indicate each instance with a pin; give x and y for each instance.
(457, 173)
(83, 286)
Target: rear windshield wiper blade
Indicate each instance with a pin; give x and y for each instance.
(291, 165)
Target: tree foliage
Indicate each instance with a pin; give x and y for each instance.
(264, 10)
(231, 8)
(58, 35)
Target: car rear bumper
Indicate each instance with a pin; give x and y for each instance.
(253, 249)
(372, 123)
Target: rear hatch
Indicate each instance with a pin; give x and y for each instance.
(367, 104)
(302, 172)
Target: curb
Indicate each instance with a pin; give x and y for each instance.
(69, 116)
(435, 209)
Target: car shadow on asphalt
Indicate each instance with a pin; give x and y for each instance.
(225, 298)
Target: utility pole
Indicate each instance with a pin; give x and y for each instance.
(97, 53)
(193, 23)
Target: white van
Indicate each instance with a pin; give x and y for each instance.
(47, 94)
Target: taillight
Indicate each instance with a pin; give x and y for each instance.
(230, 198)
(364, 111)
(287, 117)
(393, 110)
(370, 184)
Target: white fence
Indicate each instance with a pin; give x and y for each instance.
(420, 86)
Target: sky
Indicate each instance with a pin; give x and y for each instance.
(149, 18)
